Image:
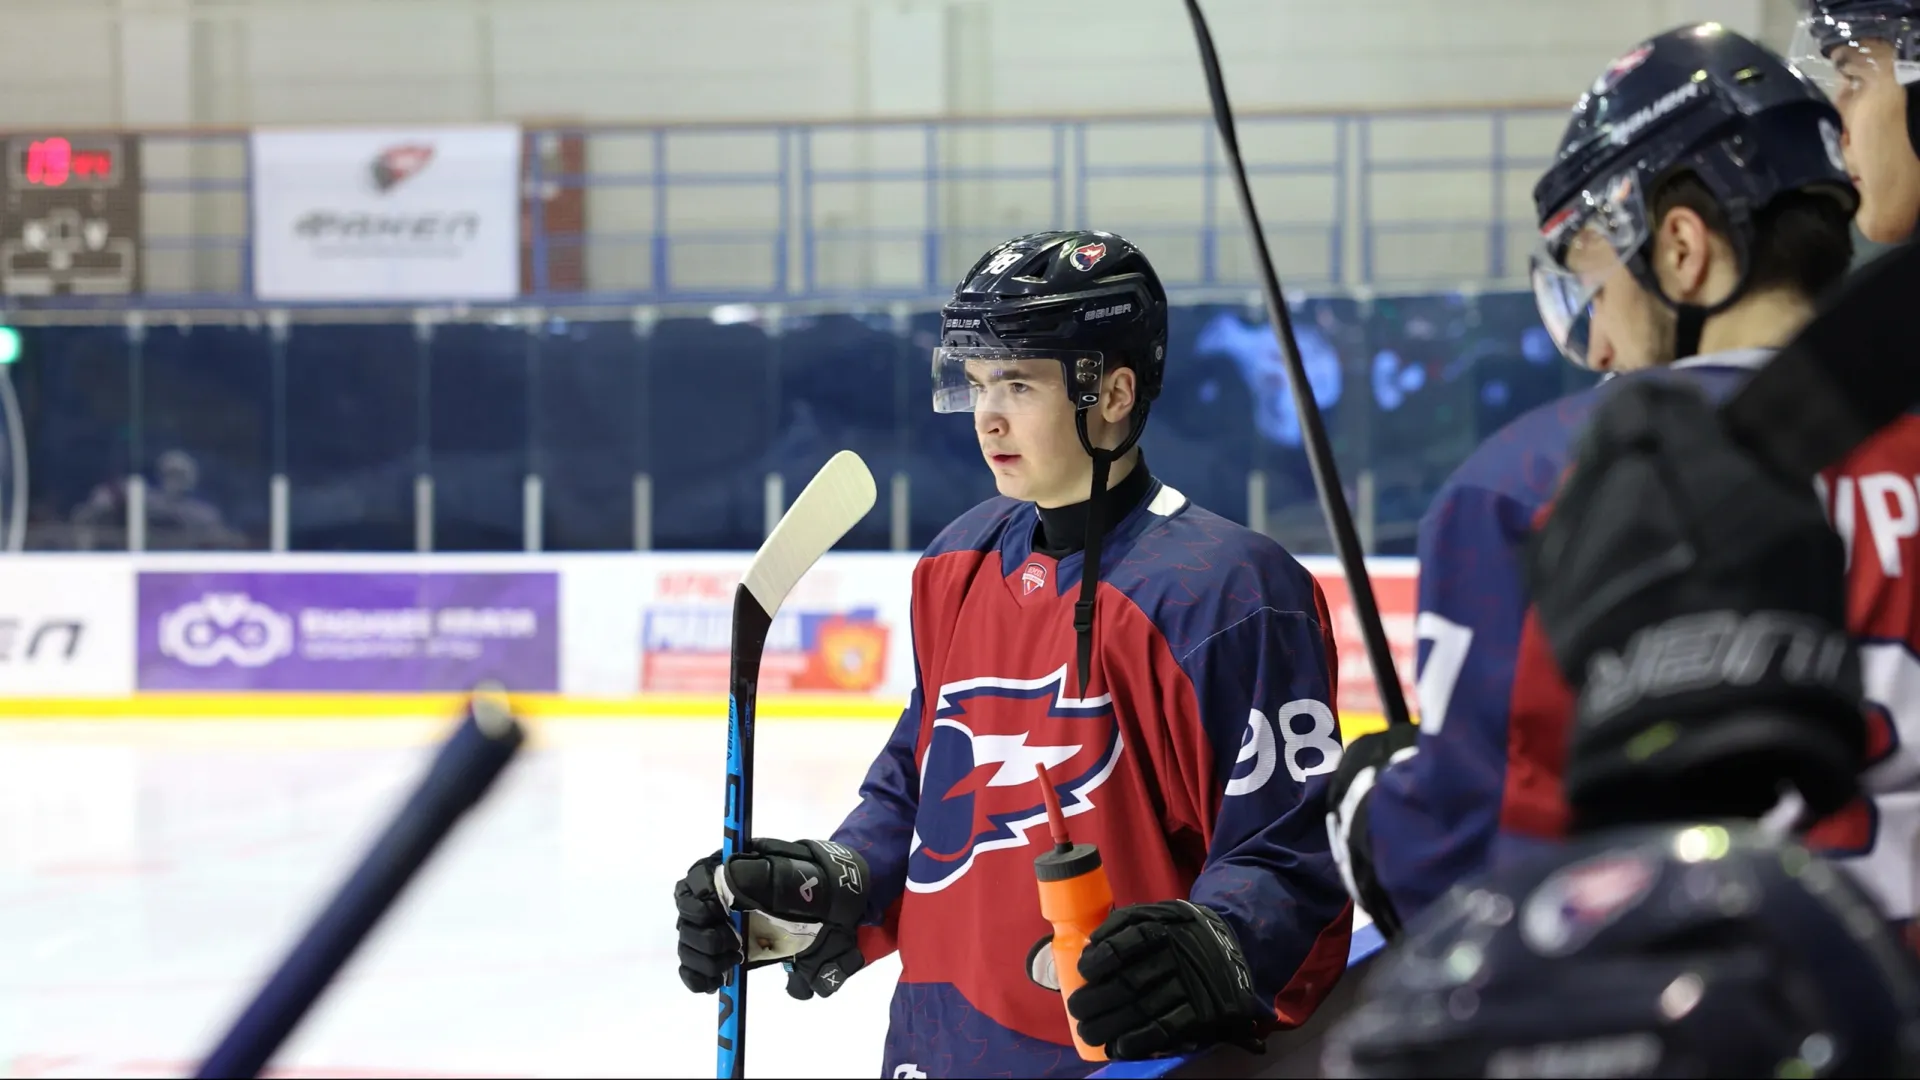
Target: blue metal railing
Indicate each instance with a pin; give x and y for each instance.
(801, 215)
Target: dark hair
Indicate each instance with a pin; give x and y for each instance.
(1802, 240)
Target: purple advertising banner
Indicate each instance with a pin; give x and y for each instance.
(349, 632)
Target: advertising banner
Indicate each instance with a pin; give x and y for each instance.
(1395, 583)
(389, 632)
(386, 213)
(66, 628)
(843, 630)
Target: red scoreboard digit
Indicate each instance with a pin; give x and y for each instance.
(55, 161)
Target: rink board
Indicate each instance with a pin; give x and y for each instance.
(595, 636)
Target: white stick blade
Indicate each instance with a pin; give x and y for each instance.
(837, 497)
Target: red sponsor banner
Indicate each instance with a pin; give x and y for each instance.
(831, 635)
(1395, 590)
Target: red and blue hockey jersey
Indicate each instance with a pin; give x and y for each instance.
(1485, 785)
(1197, 760)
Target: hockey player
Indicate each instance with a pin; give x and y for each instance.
(1676, 949)
(1173, 671)
(1866, 54)
(1683, 950)
(1696, 207)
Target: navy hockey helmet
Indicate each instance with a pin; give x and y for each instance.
(1831, 45)
(1700, 100)
(1088, 299)
(1092, 302)
(1690, 950)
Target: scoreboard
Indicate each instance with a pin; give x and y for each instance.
(70, 215)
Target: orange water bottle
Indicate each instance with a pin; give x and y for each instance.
(1076, 899)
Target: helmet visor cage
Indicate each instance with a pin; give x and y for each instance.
(980, 379)
(1844, 56)
(1581, 248)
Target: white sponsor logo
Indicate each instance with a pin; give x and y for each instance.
(1625, 130)
(1693, 652)
(226, 628)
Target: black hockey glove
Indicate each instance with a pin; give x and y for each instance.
(1347, 799)
(804, 904)
(1161, 979)
(1697, 603)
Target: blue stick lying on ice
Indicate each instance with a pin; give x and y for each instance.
(467, 765)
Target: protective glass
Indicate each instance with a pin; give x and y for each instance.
(975, 379)
(1582, 248)
(1845, 56)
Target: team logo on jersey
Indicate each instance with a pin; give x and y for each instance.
(1620, 69)
(1579, 901)
(1086, 255)
(979, 789)
(1033, 577)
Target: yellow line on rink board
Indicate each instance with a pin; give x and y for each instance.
(294, 706)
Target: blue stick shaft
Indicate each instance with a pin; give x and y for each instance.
(750, 626)
(466, 766)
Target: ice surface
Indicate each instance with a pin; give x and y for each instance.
(151, 873)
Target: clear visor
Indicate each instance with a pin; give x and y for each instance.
(1581, 249)
(1009, 380)
(1847, 56)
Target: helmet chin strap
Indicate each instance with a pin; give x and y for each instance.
(1103, 460)
(1690, 320)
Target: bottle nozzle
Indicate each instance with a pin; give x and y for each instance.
(1056, 818)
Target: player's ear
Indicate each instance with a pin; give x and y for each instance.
(1684, 254)
(1116, 400)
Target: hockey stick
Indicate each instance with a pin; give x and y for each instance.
(467, 765)
(837, 497)
(1326, 474)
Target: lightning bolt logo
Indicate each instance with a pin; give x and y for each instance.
(979, 790)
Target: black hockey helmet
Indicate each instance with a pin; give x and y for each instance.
(1689, 950)
(1833, 34)
(1702, 100)
(1092, 302)
(1089, 299)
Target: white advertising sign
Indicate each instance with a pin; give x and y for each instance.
(66, 627)
(386, 213)
(662, 624)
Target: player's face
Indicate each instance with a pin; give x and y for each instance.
(1627, 325)
(1025, 425)
(1878, 151)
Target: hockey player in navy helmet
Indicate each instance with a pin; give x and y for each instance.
(1171, 670)
(1866, 55)
(1671, 951)
(1692, 214)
